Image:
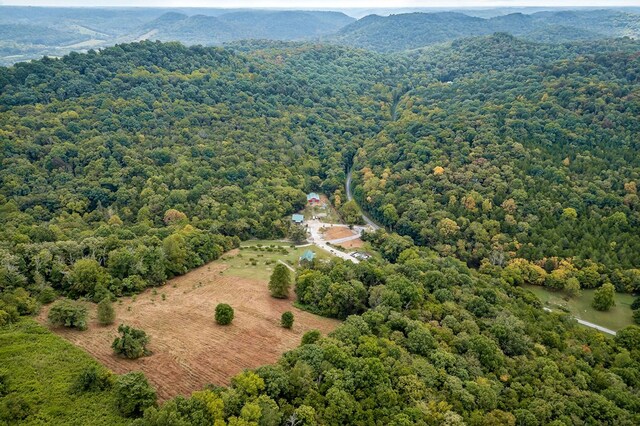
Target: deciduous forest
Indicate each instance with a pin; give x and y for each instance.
(491, 162)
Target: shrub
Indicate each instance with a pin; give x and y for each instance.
(134, 394)
(4, 383)
(224, 314)
(47, 295)
(106, 313)
(14, 408)
(65, 313)
(287, 319)
(5, 318)
(132, 342)
(280, 281)
(92, 378)
(310, 337)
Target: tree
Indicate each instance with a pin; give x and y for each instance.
(134, 394)
(65, 313)
(629, 337)
(132, 342)
(572, 287)
(297, 234)
(92, 378)
(603, 298)
(310, 337)
(224, 314)
(286, 320)
(280, 281)
(85, 276)
(106, 313)
(351, 213)
(173, 216)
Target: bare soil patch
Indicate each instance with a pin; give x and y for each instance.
(336, 232)
(189, 349)
(352, 244)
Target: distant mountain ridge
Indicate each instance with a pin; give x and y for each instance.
(415, 30)
(32, 32)
(274, 25)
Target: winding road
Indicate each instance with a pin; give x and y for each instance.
(366, 218)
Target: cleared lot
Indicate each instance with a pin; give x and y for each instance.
(189, 349)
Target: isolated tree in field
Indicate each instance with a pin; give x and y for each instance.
(287, 319)
(224, 314)
(134, 394)
(132, 342)
(280, 281)
(106, 313)
(297, 234)
(65, 313)
(603, 298)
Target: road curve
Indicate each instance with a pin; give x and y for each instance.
(366, 218)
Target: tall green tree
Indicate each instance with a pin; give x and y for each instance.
(280, 281)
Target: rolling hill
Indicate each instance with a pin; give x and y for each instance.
(414, 30)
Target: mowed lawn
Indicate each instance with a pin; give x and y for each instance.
(257, 258)
(189, 350)
(40, 368)
(616, 318)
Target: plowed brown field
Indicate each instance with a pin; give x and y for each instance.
(189, 349)
(337, 232)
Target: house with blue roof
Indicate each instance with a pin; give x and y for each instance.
(307, 256)
(297, 218)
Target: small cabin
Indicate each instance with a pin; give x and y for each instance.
(307, 256)
(313, 198)
(297, 218)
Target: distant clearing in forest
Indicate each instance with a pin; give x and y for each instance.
(189, 349)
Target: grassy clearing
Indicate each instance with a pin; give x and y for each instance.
(616, 318)
(40, 368)
(256, 259)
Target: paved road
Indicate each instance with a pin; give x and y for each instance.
(590, 324)
(366, 218)
(318, 240)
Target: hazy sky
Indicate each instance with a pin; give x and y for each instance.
(322, 3)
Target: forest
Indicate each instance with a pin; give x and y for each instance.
(492, 162)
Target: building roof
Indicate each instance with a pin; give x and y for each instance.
(298, 218)
(312, 196)
(308, 255)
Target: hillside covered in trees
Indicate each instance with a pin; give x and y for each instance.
(407, 31)
(491, 161)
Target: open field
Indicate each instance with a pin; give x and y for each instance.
(616, 318)
(265, 253)
(189, 349)
(40, 368)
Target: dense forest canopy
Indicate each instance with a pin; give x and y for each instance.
(491, 161)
